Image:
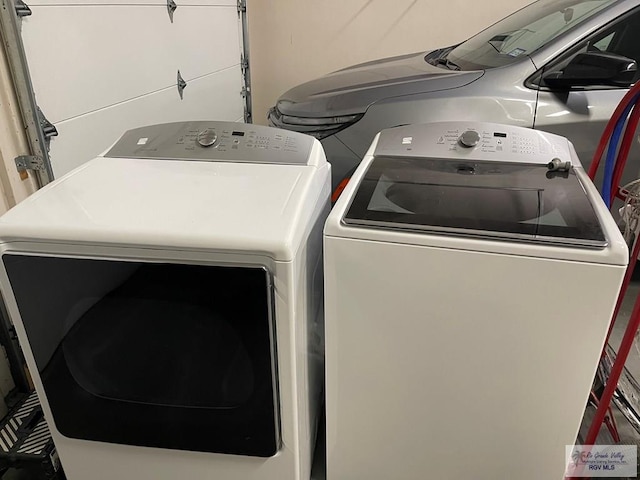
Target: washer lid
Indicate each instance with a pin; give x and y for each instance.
(507, 201)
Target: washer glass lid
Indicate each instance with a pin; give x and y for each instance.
(508, 201)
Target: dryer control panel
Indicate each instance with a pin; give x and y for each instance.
(214, 141)
(475, 141)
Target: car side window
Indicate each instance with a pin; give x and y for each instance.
(621, 38)
(603, 44)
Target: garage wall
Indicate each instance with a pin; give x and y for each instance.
(14, 187)
(292, 41)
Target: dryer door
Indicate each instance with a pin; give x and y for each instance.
(153, 354)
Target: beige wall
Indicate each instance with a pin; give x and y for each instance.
(292, 41)
(14, 187)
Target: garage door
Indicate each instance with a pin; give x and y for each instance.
(100, 67)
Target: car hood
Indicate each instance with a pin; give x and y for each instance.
(353, 89)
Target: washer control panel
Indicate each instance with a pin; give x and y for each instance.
(214, 141)
(474, 140)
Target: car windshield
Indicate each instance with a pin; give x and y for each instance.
(522, 33)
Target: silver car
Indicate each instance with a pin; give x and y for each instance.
(556, 65)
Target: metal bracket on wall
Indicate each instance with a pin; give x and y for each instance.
(48, 129)
(29, 162)
(181, 85)
(244, 61)
(245, 93)
(14, 48)
(22, 9)
(171, 7)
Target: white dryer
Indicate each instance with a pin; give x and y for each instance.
(168, 297)
(469, 287)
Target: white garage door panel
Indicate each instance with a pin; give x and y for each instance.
(207, 98)
(180, 3)
(116, 53)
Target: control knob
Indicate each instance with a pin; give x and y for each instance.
(469, 139)
(207, 137)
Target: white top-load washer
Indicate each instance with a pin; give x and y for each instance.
(168, 297)
(469, 288)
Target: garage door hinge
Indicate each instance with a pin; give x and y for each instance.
(22, 9)
(48, 129)
(181, 85)
(244, 92)
(171, 7)
(242, 6)
(244, 64)
(29, 162)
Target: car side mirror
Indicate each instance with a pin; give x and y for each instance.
(594, 68)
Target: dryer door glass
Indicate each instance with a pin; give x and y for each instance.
(508, 201)
(152, 354)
